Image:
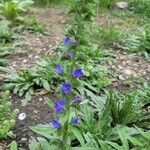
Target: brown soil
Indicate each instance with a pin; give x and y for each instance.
(37, 112)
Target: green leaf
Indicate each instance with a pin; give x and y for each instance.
(134, 141)
(44, 144)
(77, 134)
(146, 135)
(46, 85)
(88, 85)
(44, 130)
(115, 145)
(84, 148)
(13, 145)
(49, 102)
(34, 145)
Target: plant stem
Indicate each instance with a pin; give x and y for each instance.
(66, 126)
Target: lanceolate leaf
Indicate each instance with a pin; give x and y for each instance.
(44, 144)
(44, 130)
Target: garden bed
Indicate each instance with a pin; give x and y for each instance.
(127, 71)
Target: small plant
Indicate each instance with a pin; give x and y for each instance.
(139, 42)
(24, 83)
(34, 26)
(7, 118)
(11, 9)
(106, 3)
(5, 32)
(128, 138)
(124, 109)
(13, 145)
(48, 2)
(105, 37)
(141, 7)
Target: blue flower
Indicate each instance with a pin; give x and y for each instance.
(59, 69)
(78, 73)
(66, 88)
(59, 106)
(67, 41)
(56, 124)
(78, 100)
(75, 121)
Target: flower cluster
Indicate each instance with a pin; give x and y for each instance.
(67, 88)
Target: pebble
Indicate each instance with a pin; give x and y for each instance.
(22, 116)
(121, 77)
(24, 140)
(127, 72)
(36, 57)
(40, 99)
(30, 56)
(25, 61)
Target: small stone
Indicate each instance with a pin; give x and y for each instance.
(120, 5)
(35, 111)
(127, 72)
(40, 99)
(120, 67)
(25, 61)
(22, 116)
(36, 57)
(121, 77)
(31, 56)
(24, 140)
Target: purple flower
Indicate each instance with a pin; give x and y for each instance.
(67, 41)
(59, 69)
(66, 88)
(78, 73)
(56, 124)
(69, 55)
(78, 100)
(75, 121)
(59, 106)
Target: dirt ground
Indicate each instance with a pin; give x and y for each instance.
(126, 66)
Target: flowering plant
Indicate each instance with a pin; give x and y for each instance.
(64, 127)
(67, 109)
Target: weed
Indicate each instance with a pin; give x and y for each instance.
(11, 9)
(105, 37)
(5, 31)
(139, 42)
(7, 118)
(140, 6)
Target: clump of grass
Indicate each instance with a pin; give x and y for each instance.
(5, 31)
(7, 118)
(105, 37)
(140, 6)
(48, 2)
(106, 3)
(139, 42)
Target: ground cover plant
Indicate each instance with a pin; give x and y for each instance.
(12, 9)
(7, 117)
(85, 91)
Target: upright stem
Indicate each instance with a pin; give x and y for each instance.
(65, 130)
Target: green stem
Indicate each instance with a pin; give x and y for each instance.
(66, 125)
